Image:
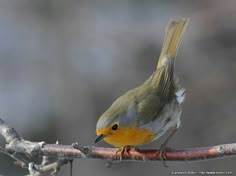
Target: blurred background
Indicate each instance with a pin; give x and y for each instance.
(62, 64)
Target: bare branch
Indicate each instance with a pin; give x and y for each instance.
(142, 155)
(8, 133)
(17, 144)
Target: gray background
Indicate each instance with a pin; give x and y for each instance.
(62, 63)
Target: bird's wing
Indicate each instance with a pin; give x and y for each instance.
(151, 104)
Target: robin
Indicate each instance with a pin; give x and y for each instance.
(147, 112)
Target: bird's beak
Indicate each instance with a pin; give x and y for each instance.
(99, 138)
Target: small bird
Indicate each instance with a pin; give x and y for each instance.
(147, 112)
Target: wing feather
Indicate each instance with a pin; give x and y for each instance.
(151, 105)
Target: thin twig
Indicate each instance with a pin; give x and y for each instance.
(52, 169)
(19, 160)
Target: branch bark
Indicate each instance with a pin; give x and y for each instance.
(190, 154)
(17, 145)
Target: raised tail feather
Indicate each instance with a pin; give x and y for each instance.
(164, 79)
(172, 40)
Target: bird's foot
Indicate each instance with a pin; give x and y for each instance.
(122, 152)
(162, 154)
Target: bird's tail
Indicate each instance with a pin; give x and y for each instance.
(172, 40)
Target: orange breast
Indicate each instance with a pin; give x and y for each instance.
(130, 136)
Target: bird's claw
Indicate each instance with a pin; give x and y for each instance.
(162, 154)
(122, 152)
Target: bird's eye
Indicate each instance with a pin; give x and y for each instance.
(114, 127)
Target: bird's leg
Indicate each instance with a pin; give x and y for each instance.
(123, 151)
(162, 151)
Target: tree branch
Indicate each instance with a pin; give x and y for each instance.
(16, 144)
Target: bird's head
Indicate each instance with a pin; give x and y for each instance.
(113, 125)
(107, 125)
